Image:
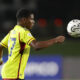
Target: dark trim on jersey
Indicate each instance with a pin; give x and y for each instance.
(22, 46)
(19, 66)
(4, 45)
(29, 40)
(19, 36)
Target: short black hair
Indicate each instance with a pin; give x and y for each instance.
(22, 13)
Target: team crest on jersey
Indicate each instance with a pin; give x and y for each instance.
(29, 34)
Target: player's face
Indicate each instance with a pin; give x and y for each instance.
(30, 21)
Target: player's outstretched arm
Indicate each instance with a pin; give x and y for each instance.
(1, 53)
(43, 44)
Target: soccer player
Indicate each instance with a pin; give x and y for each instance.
(18, 41)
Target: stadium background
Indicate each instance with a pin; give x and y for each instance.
(52, 17)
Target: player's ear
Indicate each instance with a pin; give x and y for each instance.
(24, 19)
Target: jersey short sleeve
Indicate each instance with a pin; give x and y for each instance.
(27, 37)
(4, 42)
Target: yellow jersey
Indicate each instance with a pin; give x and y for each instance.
(17, 41)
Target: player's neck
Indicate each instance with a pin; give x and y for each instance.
(20, 24)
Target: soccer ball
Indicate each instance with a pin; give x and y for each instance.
(73, 28)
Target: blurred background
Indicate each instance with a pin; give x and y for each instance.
(62, 61)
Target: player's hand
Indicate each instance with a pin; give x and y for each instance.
(60, 39)
(1, 61)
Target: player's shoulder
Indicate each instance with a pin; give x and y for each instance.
(26, 30)
(19, 28)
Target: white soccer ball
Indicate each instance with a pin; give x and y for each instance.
(73, 28)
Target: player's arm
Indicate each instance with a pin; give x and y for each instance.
(43, 44)
(3, 44)
(1, 54)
